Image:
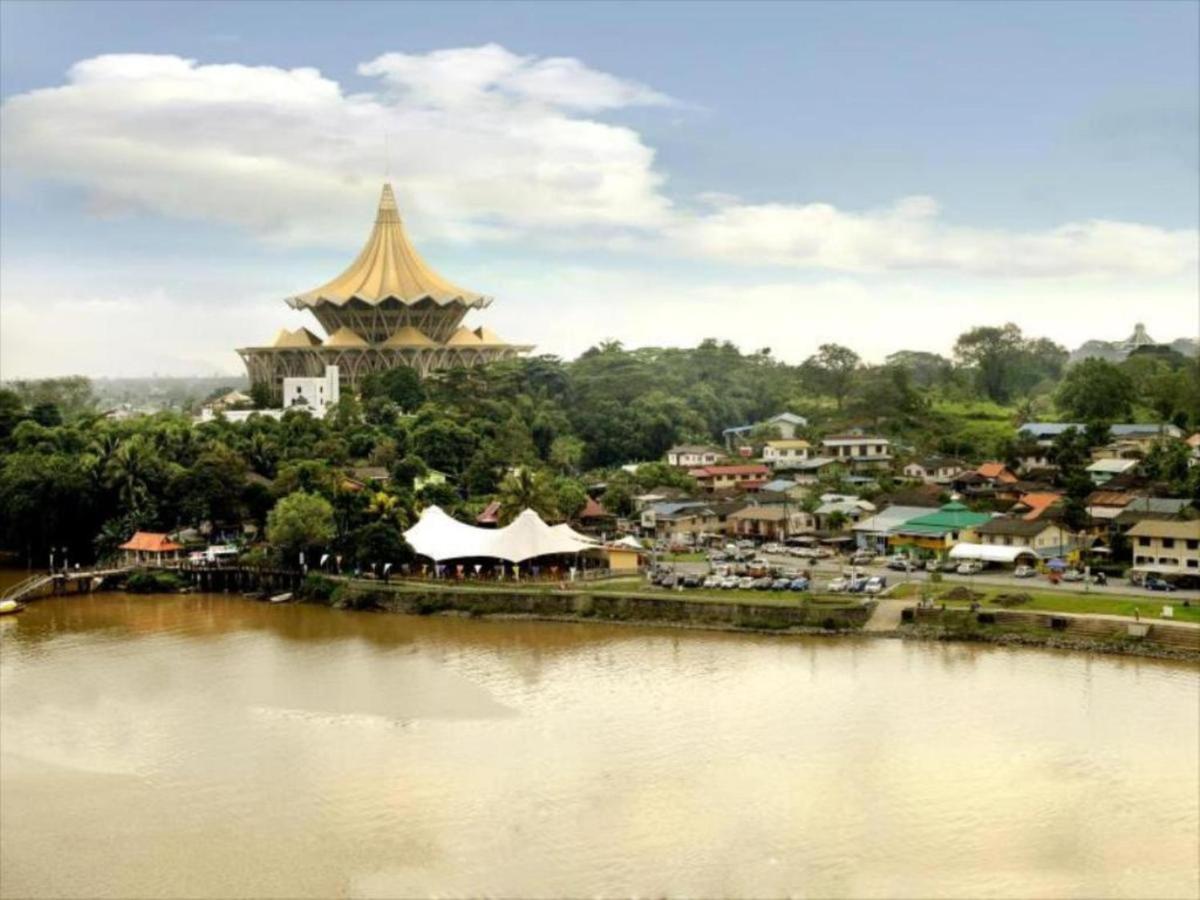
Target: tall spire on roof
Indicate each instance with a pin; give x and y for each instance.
(388, 213)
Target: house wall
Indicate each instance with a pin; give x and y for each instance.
(1179, 554)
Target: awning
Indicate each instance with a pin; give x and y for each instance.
(440, 537)
(990, 552)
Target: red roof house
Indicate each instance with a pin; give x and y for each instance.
(150, 546)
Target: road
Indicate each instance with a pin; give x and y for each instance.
(825, 570)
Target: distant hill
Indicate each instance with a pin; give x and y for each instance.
(1117, 351)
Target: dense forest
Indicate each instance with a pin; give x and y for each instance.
(531, 432)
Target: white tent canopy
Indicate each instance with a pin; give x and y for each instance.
(440, 537)
(989, 552)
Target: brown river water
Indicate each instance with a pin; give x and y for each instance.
(211, 746)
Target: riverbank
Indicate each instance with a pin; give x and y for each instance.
(809, 615)
(805, 616)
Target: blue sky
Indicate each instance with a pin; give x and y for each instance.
(692, 154)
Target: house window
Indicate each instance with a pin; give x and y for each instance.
(1168, 543)
(1192, 545)
(1143, 542)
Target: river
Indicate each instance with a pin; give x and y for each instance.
(211, 746)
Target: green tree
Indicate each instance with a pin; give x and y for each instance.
(401, 385)
(300, 522)
(523, 489)
(569, 497)
(831, 370)
(1096, 390)
(379, 543)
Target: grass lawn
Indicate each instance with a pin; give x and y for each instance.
(683, 557)
(1107, 604)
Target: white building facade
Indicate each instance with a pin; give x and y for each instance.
(317, 395)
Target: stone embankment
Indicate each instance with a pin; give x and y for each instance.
(580, 604)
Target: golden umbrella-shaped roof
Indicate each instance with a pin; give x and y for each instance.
(389, 267)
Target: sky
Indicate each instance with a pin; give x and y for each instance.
(881, 175)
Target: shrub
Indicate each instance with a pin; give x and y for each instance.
(144, 582)
(347, 597)
(317, 588)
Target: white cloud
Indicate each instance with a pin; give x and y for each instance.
(485, 145)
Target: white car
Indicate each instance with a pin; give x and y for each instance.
(746, 583)
(1024, 572)
(875, 585)
(712, 581)
(838, 586)
(772, 548)
(729, 582)
(969, 568)
(1072, 575)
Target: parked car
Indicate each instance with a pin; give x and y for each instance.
(718, 556)
(1024, 572)
(729, 582)
(1072, 575)
(862, 558)
(1154, 583)
(838, 586)
(875, 584)
(857, 585)
(798, 584)
(745, 545)
(772, 548)
(693, 580)
(781, 584)
(713, 581)
(933, 565)
(746, 583)
(764, 583)
(969, 568)
(899, 563)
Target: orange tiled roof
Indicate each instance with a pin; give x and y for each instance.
(151, 542)
(593, 510)
(1038, 503)
(1110, 498)
(996, 470)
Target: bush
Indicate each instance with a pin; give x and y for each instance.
(144, 582)
(317, 588)
(347, 597)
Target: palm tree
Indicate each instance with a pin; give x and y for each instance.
(525, 488)
(129, 472)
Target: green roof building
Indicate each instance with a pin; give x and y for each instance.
(938, 530)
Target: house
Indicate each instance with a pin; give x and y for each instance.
(926, 496)
(858, 449)
(1108, 504)
(721, 478)
(809, 471)
(1035, 504)
(1102, 471)
(784, 454)
(680, 522)
(1045, 538)
(843, 506)
(432, 476)
(1169, 548)
(1141, 508)
(996, 473)
(594, 517)
(934, 469)
(1194, 455)
(872, 532)
(787, 488)
(785, 423)
(938, 530)
(149, 547)
(1044, 433)
(229, 400)
(690, 456)
(773, 523)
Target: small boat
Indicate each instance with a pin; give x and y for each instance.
(8, 607)
(281, 598)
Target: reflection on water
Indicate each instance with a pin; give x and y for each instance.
(206, 745)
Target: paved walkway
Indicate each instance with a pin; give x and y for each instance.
(886, 616)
